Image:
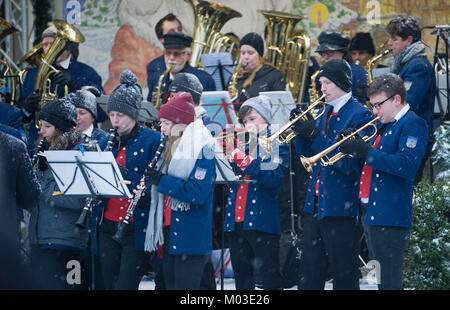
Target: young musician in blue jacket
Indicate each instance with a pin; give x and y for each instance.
(182, 195)
(412, 66)
(334, 45)
(387, 180)
(252, 220)
(330, 234)
(123, 264)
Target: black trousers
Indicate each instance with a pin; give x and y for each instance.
(122, 265)
(332, 242)
(254, 251)
(182, 272)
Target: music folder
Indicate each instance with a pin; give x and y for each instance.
(87, 173)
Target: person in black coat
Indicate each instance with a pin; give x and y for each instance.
(255, 75)
(18, 186)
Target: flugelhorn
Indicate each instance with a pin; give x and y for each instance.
(308, 162)
(285, 133)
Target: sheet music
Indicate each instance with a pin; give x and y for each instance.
(101, 167)
(211, 63)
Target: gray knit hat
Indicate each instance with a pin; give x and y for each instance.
(86, 100)
(262, 105)
(189, 83)
(126, 97)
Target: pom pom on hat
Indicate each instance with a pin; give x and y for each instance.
(126, 97)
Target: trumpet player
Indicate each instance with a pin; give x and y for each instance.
(252, 222)
(387, 180)
(329, 229)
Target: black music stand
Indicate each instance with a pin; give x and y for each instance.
(91, 174)
(220, 66)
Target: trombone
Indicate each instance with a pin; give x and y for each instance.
(308, 162)
(242, 135)
(285, 134)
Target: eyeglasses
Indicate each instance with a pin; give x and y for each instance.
(378, 104)
(174, 53)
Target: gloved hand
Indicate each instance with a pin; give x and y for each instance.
(299, 108)
(306, 128)
(241, 159)
(31, 103)
(93, 90)
(143, 201)
(42, 163)
(64, 77)
(344, 133)
(356, 147)
(152, 177)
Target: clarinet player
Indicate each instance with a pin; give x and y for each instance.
(123, 263)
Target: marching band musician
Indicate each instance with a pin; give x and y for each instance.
(182, 188)
(85, 102)
(361, 48)
(255, 75)
(331, 208)
(72, 73)
(124, 263)
(252, 221)
(177, 52)
(412, 66)
(387, 180)
(334, 45)
(54, 240)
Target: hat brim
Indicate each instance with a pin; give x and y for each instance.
(177, 46)
(329, 47)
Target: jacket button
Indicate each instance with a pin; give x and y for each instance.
(175, 233)
(174, 247)
(135, 153)
(251, 212)
(136, 169)
(177, 219)
(372, 218)
(250, 224)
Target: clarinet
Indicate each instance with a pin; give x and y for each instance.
(81, 222)
(39, 149)
(121, 226)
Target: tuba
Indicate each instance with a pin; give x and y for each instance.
(209, 20)
(8, 79)
(65, 32)
(32, 58)
(288, 50)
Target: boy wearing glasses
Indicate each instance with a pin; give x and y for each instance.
(386, 186)
(177, 52)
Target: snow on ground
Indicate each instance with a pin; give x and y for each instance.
(229, 285)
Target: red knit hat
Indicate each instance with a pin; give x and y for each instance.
(179, 109)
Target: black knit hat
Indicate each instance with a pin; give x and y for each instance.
(187, 82)
(362, 41)
(254, 40)
(61, 113)
(339, 72)
(126, 97)
(177, 40)
(332, 40)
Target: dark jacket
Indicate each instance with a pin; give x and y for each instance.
(267, 78)
(18, 183)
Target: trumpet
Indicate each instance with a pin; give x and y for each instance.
(242, 135)
(308, 162)
(285, 133)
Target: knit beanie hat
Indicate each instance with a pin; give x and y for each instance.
(339, 72)
(61, 113)
(332, 40)
(254, 40)
(85, 99)
(126, 97)
(362, 41)
(260, 104)
(187, 82)
(179, 109)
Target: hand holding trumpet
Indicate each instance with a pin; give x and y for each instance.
(355, 146)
